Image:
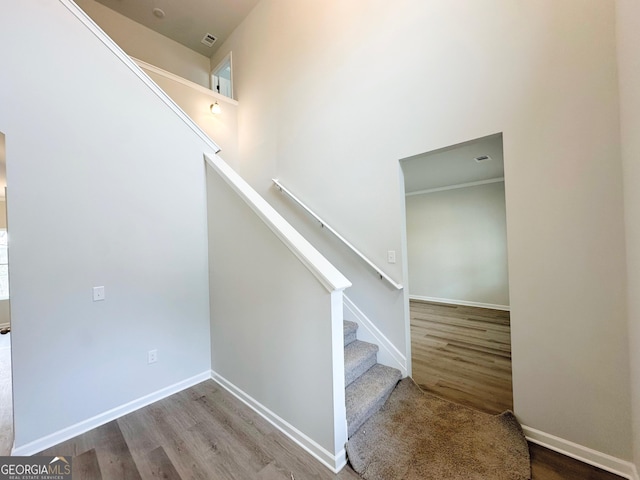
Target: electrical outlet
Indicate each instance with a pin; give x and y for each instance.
(98, 294)
(152, 356)
(391, 256)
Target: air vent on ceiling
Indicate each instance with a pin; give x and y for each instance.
(482, 158)
(209, 40)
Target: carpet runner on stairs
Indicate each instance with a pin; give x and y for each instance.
(368, 383)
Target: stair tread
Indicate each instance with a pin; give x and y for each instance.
(359, 357)
(349, 330)
(367, 394)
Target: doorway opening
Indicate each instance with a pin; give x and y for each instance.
(457, 273)
(6, 398)
(222, 77)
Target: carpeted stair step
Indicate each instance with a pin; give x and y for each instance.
(350, 329)
(358, 358)
(368, 393)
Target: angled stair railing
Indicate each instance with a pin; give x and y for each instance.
(328, 275)
(276, 332)
(275, 328)
(324, 224)
(135, 68)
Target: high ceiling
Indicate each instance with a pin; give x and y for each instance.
(454, 165)
(187, 21)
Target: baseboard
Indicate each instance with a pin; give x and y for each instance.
(388, 354)
(334, 462)
(448, 301)
(587, 455)
(79, 428)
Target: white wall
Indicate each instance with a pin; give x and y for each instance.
(223, 128)
(272, 332)
(628, 17)
(332, 94)
(143, 43)
(5, 313)
(106, 187)
(457, 245)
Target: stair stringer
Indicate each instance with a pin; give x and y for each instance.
(388, 354)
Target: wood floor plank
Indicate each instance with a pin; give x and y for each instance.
(161, 430)
(206, 433)
(549, 465)
(456, 355)
(463, 354)
(114, 456)
(161, 465)
(86, 467)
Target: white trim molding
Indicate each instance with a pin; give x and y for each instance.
(388, 354)
(79, 428)
(448, 301)
(584, 454)
(135, 69)
(317, 264)
(176, 78)
(453, 187)
(328, 227)
(335, 463)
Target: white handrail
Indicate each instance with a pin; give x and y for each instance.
(324, 271)
(324, 224)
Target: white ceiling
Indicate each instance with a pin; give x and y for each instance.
(454, 165)
(187, 21)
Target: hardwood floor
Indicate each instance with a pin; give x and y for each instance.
(204, 432)
(463, 354)
(200, 433)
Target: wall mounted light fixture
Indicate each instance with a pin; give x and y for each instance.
(215, 108)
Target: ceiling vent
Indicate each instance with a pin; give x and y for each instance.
(482, 158)
(209, 40)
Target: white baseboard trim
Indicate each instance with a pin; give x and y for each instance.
(388, 354)
(335, 463)
(448, 301)
(79, 428)
(587, 455)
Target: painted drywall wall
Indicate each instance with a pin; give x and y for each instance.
(5, 313)
(196, 103)
(143, 43)
(3, 214)
(628, 17)
(106, 188)
(3, 168)
(457, 245)
(271, 328)
(332, 94)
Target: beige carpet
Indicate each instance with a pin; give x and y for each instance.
(417, 436)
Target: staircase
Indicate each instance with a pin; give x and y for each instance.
(368, 383)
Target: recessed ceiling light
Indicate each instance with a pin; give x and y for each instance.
(158, 12)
